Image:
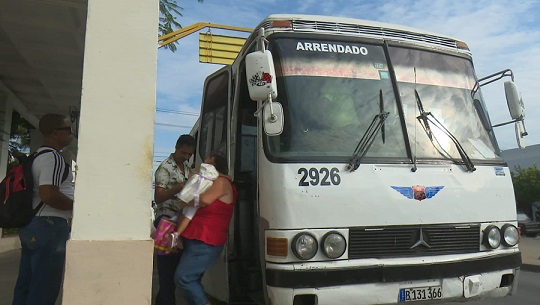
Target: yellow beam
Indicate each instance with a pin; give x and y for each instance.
(174, 36)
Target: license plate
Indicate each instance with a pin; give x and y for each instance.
(420, 293)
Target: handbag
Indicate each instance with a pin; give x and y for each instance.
(164, 242)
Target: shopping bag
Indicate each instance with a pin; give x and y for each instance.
(163, 242)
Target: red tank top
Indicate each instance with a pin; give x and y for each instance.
(210, 223)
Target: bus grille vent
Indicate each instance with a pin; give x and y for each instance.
(369, 31)
(406, 241)
(373, 31)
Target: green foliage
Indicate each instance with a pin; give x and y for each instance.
(9, 232)
(526, 187)
(168, 11)
(19, 139)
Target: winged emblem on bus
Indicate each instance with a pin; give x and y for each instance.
(418, 192)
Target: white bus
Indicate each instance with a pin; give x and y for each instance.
(367, 168)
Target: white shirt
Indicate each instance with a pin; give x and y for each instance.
(48, 169)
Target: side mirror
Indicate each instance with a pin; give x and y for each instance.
(520, 133)
(261, 76)
(273, 118)
(514, 101)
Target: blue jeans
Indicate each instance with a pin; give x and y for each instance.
(43, 257)
(196, 259)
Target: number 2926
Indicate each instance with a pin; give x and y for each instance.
(319, 176)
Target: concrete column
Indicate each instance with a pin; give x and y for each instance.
(109, 256)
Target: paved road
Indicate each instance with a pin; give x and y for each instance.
(528, 292)
(528, 289)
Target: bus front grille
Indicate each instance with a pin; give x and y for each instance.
(403, 241)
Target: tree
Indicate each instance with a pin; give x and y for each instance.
(19, 138)
(168, 11)
(526, 187)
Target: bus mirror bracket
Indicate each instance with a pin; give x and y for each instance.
(516, 107)
(517, 112)
(520, 133)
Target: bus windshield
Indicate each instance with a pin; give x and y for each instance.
(443, 84)
(332, 90)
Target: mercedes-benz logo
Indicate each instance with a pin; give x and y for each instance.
(421, 241)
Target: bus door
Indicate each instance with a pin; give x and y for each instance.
(245, 274)
(213, 136)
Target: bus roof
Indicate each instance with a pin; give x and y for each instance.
(351, 26)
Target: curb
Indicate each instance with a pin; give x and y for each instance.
(530, 267)
(9, 243)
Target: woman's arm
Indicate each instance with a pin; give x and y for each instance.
(219, 188)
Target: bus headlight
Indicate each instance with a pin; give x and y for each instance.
(304, 246)
(510, 235)
(333, 245)
(492, 237)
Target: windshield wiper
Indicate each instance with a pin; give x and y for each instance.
(369, 136)
(427, 117)
(381, 110)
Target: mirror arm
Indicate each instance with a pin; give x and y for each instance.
(510, 122)
(256, 113)
(524, 133)
(261, 43)
(273, 116)
(500, 74)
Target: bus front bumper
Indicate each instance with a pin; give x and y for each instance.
(492, 276)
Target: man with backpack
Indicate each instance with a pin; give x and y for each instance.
(44, 239)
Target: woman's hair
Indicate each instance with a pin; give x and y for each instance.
(220, 162)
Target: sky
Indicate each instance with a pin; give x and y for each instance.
(500, 35)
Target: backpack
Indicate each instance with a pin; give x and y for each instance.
(17, 192)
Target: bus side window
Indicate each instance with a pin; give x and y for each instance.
(214, 115)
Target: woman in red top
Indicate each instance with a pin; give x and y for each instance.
(206, 234)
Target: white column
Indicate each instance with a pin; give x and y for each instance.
(109, 256)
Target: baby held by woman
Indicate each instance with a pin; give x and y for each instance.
(196, 185)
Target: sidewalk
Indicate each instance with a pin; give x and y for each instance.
(9, 269)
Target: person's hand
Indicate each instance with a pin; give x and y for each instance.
(194, 172)
(174, 239)
(179, 187)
